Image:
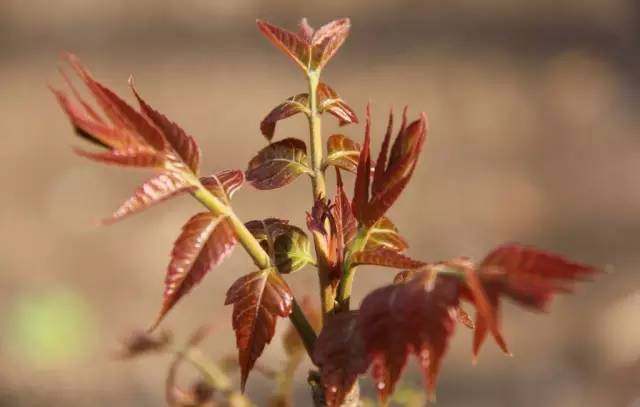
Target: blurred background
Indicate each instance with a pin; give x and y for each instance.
(534, 109)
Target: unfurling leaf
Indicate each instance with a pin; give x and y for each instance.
(414, 317)
(343, 152)
(223, 184)
(527, 275)
(131, 157)
(292, 251)
(339, 352)
(385, 257)
(286, 244)
(290, 107)
(278, 164)
(343, 213)
(310, 50)
(328, 101)
(206, 240)
(155, 190)
(390, 178)
(258, 299)
(385, 234)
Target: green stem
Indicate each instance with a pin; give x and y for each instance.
(258, 254)
(346, 281)
(327, 294)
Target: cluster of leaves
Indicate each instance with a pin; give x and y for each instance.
(416, 314)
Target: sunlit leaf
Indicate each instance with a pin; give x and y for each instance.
(206, 240)
(131, 157)
(414, 317)
(343, 152)
(360, 201)
(292, 106)
(343, 212)
(278, 164)
(292, 250)
(155, 190)
(310, 50)
(527, 275)
(183, 144)
(223, 184)
(339, 352)
(329, 101)
(385, 257)
(258, 299)
(385, 234)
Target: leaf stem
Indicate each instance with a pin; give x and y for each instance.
(327, 294)
(346, 281)
(258, 254)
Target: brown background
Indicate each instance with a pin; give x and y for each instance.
(534, 112)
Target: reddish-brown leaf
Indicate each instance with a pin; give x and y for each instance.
(329, 101)
(343, 212)
(278, 164)
(131, 157)
(206, 240)
(290, 107)
(258, 299)
(310, 50)
(402, 162)
(122, 116)
(343, 152)
(290, 43)
(414, 317)
(327, 40)
(183, 144)
(385, 257)
(339, 352)
(223, 184)
(363, 173)
(385, 234)
(527, 275)
(381, 162)
(155, 190)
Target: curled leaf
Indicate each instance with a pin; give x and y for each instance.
(206, 240)
(258, 299)
(159, 188)
(329, 101)
(223, 184)
(278, 164)
(342, 152)
(292, 250)
(385, 234)
(290, 107)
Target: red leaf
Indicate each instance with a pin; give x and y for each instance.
(327, 40)
(385, 257)
(415, 317)
(343, 152)
(278, 164)
(402, 162)
(385, 234)
(339, 352)
(155, 190)
(206, 240)
(381, 162)
(330, 102)
(258, 299)
(343, 213)
(223, 184)
(310, 50)
(132, 157)
(527, 275)
(290, 43)
(361, 188)
(292, 106)
(121, 115)
(183, 144)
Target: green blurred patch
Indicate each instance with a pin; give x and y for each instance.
(49, 328)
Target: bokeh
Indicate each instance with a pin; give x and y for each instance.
(534, 109)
